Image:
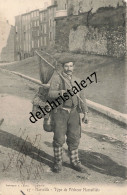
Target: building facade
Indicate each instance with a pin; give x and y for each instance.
(35, 30)
(18, 38)
(35, 34)
(43, 29)
(25, 35)
(51, 23)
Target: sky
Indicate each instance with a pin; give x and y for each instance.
(10, 8)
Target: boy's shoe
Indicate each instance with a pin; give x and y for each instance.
(79, 167)
(57, 167)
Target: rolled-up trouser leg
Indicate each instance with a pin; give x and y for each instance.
(58, 154)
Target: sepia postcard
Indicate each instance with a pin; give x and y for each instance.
(63, 97)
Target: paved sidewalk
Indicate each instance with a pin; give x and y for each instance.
(26, 149)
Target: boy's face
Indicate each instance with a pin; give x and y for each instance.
(68, 68)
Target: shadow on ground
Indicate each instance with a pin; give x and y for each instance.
(105, 138)
(25, 147)
(95, 161)
(102, 164)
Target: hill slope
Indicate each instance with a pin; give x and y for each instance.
(29, 66)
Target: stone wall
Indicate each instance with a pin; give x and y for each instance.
(85, 5)
(97, 41)
(116, 42)
(88, 39)
(104, 34)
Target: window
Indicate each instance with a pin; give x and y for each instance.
(45, 29)
(41, 42)
(49, 12)
(44, 16)
(29, 36)
(29, 17)
(16, 29)
(45, 41)
(42, 28)
(41, 17)
(50, 36)
(38, 43)
(38, 23)
(65, 6)
(29, 47)
(32, 43)
(24, 35)
(24, 47)
(50, 22)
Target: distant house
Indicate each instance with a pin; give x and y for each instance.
(44, 29)
(36, 30)
(7, 41)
